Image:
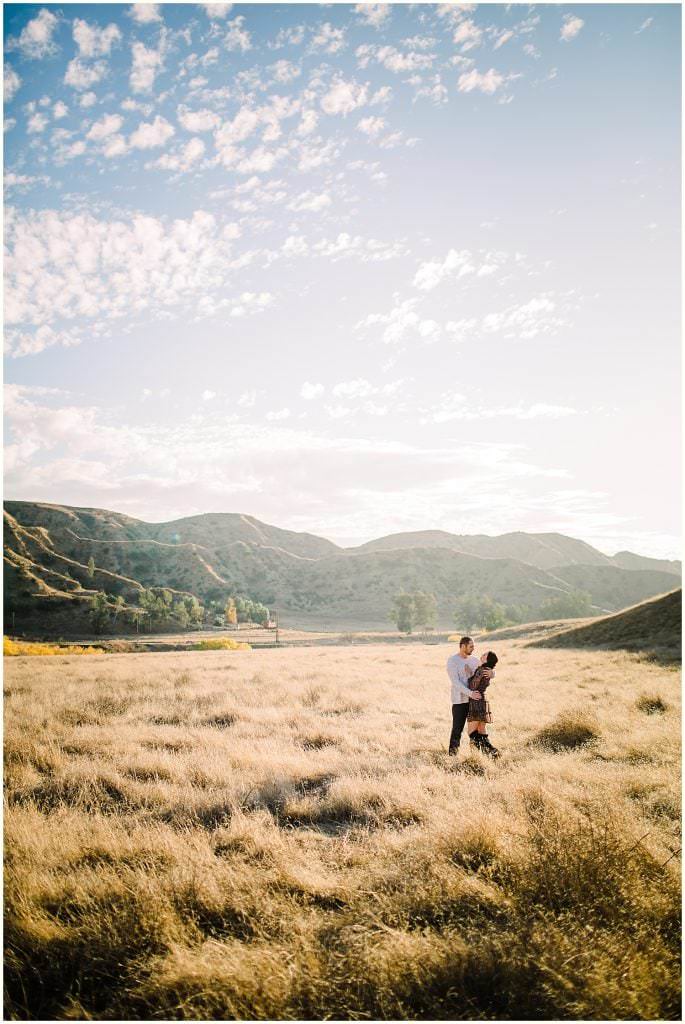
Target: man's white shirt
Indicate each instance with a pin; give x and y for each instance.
(460, 671)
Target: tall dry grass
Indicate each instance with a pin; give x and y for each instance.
(280, 834)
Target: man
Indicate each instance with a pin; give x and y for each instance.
(460, 667)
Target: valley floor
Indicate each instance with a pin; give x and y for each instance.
(280, 834)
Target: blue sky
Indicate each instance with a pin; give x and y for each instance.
(351, 269)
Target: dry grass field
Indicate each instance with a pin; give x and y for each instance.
(280, 834)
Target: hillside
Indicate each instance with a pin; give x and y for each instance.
(654, 627)
(307, 578)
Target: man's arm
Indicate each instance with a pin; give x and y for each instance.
(453, 673)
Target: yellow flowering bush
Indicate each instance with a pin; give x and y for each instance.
(221, 644)
(13, 648)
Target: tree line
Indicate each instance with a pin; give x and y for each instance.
(472, 611)
(160, 608)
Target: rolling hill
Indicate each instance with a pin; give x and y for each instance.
(544, 550)
(653, 627)
(310, 580)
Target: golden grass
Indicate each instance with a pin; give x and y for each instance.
(20, 648)
(280, 834)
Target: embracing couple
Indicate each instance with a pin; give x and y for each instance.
(470, 677)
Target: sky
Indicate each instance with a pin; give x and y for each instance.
(351, 269)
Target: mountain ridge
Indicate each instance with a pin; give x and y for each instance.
(301, 574)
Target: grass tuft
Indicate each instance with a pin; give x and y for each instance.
(651, 705)
(569, 730)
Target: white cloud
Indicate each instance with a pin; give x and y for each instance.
(366, 250)
(88, 99)
(570, 28)
(251, 302)
(158, 472)
(24, 181)
(246, 122)
(371, 126)
(310, 202)
(30, 343)
(317, 154)
(249, 398)
(503, 38)
(74, 150)
(528, 320)
(488, 82)
(198, 120)
(35, 39)
(295, 245)
(455, 406)
(215, 12)
(359, 388)
(393, 59)
(645, 25)
(467, 35)
(237, 37)
(260, 160)
(285, 71)
(146, 65)
(293, 36)
(328, 39)
(278, 414)
(402, 321)
(11, 82)
(59, 110)
(457, 262)
(145, 14)
(107, 125)
(208, 395)
(66, 267)
(339, 412)
(93, 41)
(432, 89)
(115, 146)
(373, 14)
(82, 76)
(148, 135)
(310, 391)
(36, 123)
(308, 123)
(185, 159)
(343, 97)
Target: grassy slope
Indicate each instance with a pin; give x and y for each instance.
(281, 835)
(654, 626)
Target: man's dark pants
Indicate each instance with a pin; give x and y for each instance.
(459, 713)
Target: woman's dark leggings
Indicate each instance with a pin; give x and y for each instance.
(459, 713)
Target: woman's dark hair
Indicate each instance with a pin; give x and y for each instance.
(491, 659)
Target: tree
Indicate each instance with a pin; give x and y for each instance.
(476, 611)
(259, 613)
(517, 613)
(119, 605)
(575, 604)
(403, 611)
(231, 612)
(425, 609)
(91, 567)
(136, 615)
(180, 613)
(195, 610)
(99, 612)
